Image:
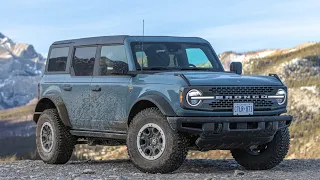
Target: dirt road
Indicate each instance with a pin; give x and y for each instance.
(124, 169)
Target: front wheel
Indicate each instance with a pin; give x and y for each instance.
(152, 145)
(265, 156)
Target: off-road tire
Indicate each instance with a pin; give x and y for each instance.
(175, 150)
(63, 141)
(276, 151)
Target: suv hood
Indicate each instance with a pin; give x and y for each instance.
(225, 79)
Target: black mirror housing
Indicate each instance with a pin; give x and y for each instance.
(236, 67)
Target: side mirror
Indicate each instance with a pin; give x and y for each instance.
(236, 67)
(118, 67)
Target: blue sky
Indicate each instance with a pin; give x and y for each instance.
(229, 25)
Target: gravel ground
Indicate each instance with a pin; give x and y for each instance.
(124, 169)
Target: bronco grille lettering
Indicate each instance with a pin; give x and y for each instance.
(228, 97)
(219, 97)
(243, 97)
(237, 97)
(255, 97)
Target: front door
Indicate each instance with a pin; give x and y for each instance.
(109, 92)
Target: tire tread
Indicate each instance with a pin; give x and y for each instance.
(275, 157)
(64, 140)
(177, 154)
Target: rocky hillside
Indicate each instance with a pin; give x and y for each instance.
(231, 56)
(20, 70)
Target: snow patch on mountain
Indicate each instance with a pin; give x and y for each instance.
(248, 56)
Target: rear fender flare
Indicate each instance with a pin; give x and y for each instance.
(59, 105)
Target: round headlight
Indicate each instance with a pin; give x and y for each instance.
(282, 93)
(193, 93)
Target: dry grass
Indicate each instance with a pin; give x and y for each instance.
(9, 159)
(308, 81)
(83, 152)
(305, 138)
(17, 113)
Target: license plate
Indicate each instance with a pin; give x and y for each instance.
(243, 109)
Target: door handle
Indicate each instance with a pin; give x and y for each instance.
(67, 88)
(96, 89)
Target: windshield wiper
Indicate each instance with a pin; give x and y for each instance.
(156, 68)
(178, 69)
(197, 69)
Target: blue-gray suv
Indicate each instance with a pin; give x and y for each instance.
(160, 96)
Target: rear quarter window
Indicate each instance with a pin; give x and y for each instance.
(58, 59)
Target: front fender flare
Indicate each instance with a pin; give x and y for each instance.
(160, 102)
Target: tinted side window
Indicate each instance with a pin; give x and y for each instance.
(58, 59)
(110, 57)
(83, 61)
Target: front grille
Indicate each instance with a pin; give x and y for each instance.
(247, 90)
(226, 105)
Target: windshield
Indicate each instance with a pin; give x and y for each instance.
(174, 56)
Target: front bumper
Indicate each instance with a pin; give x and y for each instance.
(230, 132)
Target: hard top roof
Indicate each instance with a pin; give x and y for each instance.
(119, 39)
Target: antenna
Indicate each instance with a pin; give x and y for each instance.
(143, 27)
(142, 44)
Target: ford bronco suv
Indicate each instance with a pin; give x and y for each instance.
(159, 96)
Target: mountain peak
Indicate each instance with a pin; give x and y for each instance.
(12, 50)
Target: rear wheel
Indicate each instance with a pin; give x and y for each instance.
(265, 156)
(152, 145)
(55, 144)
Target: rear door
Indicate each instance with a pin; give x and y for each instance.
(76, 89)
(109, 92)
